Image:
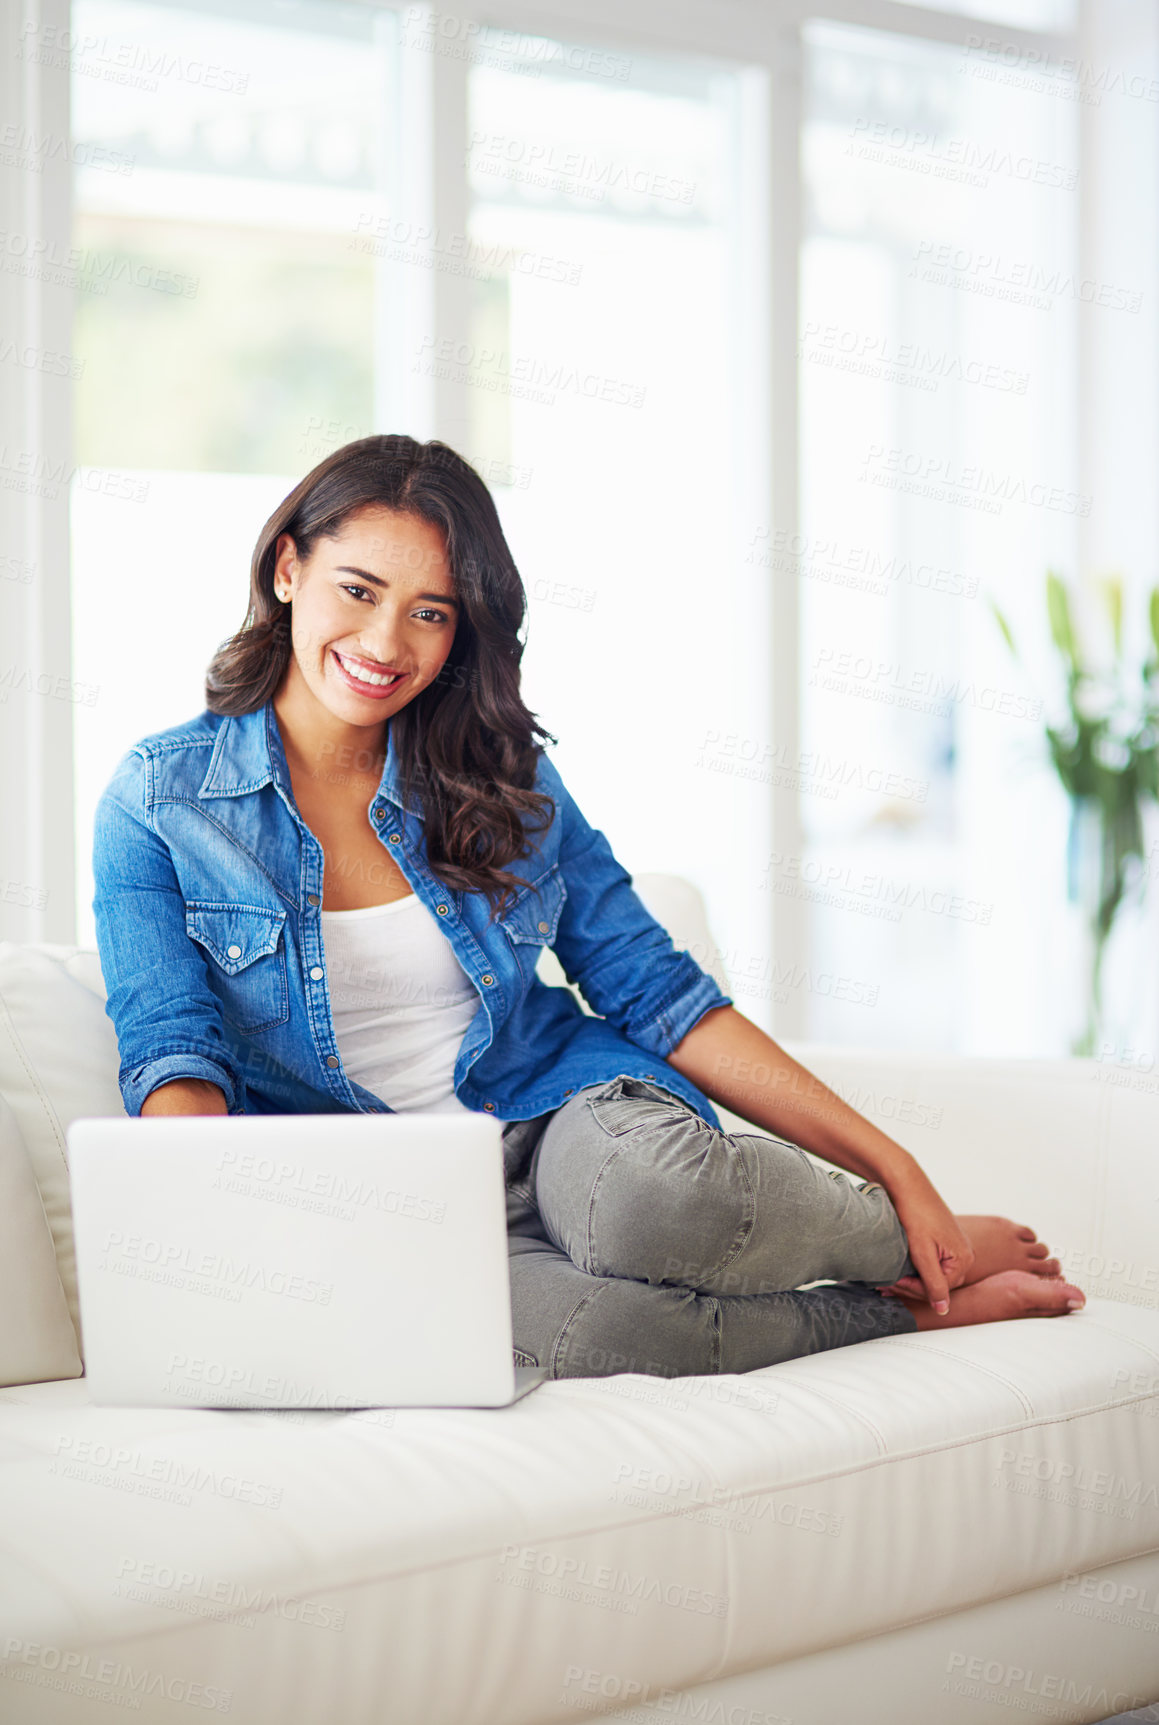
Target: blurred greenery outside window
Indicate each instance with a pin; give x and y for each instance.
(225, 311)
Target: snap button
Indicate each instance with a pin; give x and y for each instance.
(332, 1060)
(490, 1107)
(488, 979)
(234, 951)
(378, 812)
(317, 973)
(395, 839)
(649, 1075)
(312, 898)
(542, 927)
(442, 909)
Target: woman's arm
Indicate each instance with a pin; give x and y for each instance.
(622, 959)
(737, 1065)
(185, 1096)
(167, 1019)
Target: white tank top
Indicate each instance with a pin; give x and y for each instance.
(400, 1001)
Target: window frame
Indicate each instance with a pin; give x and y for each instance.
(762, 42)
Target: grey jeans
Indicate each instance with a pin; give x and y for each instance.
(642, 1239)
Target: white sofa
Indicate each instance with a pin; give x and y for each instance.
(937, 1530)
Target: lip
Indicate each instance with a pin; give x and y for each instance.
(364, 689)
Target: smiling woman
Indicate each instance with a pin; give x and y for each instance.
(383, 636)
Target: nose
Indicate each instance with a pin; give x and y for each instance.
(384, 637)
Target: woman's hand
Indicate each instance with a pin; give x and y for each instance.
(941, 1253)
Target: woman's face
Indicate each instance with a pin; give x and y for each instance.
(374, 612)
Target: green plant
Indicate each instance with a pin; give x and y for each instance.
(1105, 751)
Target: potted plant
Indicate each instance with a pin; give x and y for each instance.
(1105, 751)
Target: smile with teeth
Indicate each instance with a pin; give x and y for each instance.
(361, 675)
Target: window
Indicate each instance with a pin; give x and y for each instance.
(225, 318)
(937, 352)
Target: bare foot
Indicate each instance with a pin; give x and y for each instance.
(999, 1244)
(1009, 1294)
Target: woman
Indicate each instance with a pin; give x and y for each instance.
(329, 892)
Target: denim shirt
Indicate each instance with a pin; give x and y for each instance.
(208, 920)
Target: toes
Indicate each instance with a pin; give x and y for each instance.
(1025, 1233)
(1038, 1250)
(1048, 1267)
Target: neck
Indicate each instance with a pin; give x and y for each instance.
(318, 744)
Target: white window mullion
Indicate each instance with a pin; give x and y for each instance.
(791, 928)
(37, 696)
(424, 298)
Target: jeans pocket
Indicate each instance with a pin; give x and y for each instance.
(626, 1104)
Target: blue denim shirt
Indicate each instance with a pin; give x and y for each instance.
(208, 919)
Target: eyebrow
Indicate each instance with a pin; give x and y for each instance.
(377, 581)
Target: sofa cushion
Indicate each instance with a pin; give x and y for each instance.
(58, 1060)
(662, 1531)
(37, 1338)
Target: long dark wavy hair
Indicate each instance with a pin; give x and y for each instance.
(467, 739)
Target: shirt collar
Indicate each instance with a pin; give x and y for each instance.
(248, 754)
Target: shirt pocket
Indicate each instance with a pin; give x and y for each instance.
(248, 970)
(532, 920)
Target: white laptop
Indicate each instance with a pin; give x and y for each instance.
(294, 1261)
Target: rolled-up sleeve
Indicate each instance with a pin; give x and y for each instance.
(623, 961)
(167, 1019)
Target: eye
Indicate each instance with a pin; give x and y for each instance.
(439, 616)
(352, 587)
